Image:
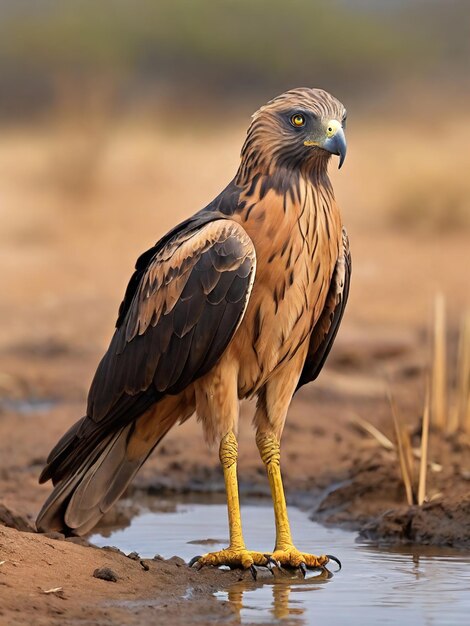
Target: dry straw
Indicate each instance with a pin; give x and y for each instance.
(461, 414)
(435, 410)
(378, 435)
(423, 466)
(435, 403)
(439, 365)
(442, 417)
(404, 450)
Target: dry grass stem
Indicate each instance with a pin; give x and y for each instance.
(463, 373)
(408, 452)
(439, 369)
(383, 440)
(402, 453)
(53, 590)
(423, 466)
(432, 465)
(457, 415)
(386, 443)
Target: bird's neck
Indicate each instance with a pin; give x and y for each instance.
(281, 178)
(281, 201)
(275, 196)
(289, 219)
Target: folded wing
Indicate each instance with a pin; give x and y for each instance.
(326, 328)
(178, 317)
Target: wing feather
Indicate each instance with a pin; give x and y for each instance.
(184, 311)
(179, 314)
(326, 328)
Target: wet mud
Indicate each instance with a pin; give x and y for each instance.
(43, 581)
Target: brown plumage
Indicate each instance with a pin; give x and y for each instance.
(244, 298)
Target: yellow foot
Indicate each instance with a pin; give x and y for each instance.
(292, 558)
(233, 557)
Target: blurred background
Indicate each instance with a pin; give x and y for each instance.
(119, 119)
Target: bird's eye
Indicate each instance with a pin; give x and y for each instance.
(297, 120)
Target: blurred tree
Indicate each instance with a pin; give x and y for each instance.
(224, 49)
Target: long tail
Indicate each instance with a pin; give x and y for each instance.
(87, 488)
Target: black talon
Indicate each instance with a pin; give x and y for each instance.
(253, 572)
(194, 560)
(336, 560)
(303, 569)
(271, 563)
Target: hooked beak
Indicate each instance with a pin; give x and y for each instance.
(336, 141)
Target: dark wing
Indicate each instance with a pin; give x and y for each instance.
(222, 206)
(183, 314)
(324, 332)
(181, 310)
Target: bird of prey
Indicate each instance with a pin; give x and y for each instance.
(241, 300)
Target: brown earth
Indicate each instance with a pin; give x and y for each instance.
(43, 581)
(76, 211)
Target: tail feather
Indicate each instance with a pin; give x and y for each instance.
(53, 512)
(103, 483)
(86, 436)
(101, 472)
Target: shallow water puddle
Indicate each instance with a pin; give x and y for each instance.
(27, 406)
(415, 586)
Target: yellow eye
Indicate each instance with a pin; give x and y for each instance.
(297, 120)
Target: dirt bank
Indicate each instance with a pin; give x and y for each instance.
(369, 498)
(45, 581)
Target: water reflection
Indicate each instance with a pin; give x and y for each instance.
(280, 600)
(410, 586)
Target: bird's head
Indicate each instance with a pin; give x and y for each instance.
(300, 129)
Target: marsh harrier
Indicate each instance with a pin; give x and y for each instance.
(242, 299)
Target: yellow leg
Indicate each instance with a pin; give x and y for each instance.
(285, 552)
(236, 555)
(228, 454)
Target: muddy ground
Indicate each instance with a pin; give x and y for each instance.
(68, 242)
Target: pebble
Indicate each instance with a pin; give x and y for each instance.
(106, 573)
